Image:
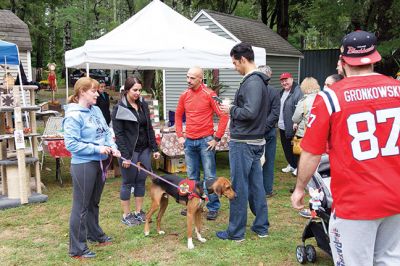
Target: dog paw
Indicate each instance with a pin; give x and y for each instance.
(202, 240)
(146, 233)
(190, 243)
(161, 232)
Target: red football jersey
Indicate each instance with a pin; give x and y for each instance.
(359, 117)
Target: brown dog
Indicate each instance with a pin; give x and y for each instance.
(160, 191)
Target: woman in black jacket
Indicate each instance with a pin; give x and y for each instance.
(135, 139)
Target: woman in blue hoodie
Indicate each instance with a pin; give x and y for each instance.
(88, 138)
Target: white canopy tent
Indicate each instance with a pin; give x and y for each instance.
(157, 37)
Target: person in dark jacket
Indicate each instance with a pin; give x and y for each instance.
(270, 135)
(247, 128)
(290, 95)
(135, 139)
(103, 101)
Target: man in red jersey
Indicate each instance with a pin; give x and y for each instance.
(199, 107)
(359, 117)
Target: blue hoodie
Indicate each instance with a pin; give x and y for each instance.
(85, 130)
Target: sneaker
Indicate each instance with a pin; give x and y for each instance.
(87, 255)
(288, 169)
(212, 215)
(141, 216)
(224, 236)
(270, 195)
(306, 213)
(105, 240)
(295, 172)
(184, 212)
(130, 220)
(262, 235)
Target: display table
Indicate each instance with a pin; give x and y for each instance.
(173, 152)
(57, 150)
(170, 145)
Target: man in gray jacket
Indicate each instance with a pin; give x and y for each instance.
(248, 115)
(290, 95)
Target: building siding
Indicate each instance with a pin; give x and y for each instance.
(280, 64)
(14, 70)
(211, 26)
(175, 84)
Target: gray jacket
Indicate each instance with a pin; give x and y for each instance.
(249, 109)
(289, 106)
(302, 112)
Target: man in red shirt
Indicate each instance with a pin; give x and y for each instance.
(199, 145)
(359, 117)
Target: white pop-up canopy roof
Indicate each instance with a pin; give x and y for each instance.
(157, 37)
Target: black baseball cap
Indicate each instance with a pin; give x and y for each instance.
(359, 48)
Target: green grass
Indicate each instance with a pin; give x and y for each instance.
(37, 234)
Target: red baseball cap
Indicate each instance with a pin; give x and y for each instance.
(285, 75)
(359, 48)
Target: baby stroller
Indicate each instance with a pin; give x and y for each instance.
(318, 225)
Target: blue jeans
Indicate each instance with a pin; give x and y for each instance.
(247, 179)
(195, 153)
(268, 167)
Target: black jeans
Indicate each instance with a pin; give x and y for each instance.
(288, 149)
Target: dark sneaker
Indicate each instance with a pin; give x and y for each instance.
(87, 255)
(103, 241)
(224, 236)
(212, 215)
(270, 195)
(130, 220)
(184, 212)
(141, 216)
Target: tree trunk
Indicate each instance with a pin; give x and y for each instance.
(282, 7)
(264, 11)
(131, 7)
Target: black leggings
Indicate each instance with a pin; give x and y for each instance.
(132, 178)
(84, 221)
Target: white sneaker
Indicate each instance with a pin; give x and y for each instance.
(295, 172)
(288, 169)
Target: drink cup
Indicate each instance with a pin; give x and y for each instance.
(226, 101)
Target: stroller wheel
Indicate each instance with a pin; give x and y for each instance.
(311, 253)
(301, 254)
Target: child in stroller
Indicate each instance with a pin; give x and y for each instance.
(320, 204)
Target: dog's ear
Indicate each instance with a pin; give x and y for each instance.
(218, 190)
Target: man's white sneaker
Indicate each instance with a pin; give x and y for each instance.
(288, 169)
(295, 172)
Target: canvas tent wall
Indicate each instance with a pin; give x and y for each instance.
(167, 40)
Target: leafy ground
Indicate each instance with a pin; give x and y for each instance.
(38, 234)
